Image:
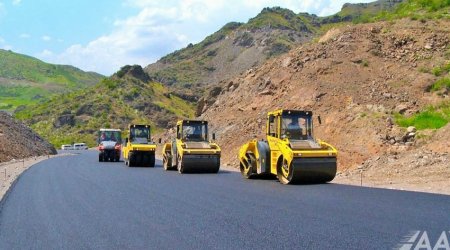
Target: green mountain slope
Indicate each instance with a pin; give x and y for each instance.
(129, 96)
(361, 12)
(417, 9)
(26, 80)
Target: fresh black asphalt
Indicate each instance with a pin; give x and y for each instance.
(75, 202)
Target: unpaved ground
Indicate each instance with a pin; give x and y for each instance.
(17, 141)
(10, 171)
(418, 170)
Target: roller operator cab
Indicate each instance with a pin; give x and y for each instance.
(109, 144)
(191, 150)
(290, 151)
(139, 150)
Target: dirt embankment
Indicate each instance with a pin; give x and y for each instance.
(17, 141)
(356, 78)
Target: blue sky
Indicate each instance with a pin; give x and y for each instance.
(104, 35)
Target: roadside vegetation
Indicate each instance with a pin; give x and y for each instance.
(433, 117)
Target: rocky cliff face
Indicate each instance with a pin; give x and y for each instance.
(18, 141)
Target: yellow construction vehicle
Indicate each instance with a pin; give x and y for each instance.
(290, 151)
(139, 149)
(191, 151)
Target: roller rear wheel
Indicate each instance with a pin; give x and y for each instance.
(167, 163)
(285, 172)
(248, 171)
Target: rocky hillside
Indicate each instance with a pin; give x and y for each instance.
(186, 74)
(26, 80)
(233, 49)
(238, 47)
(369, 82)
(17, 141)
(129, 96)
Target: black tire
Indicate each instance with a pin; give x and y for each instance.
(131, 160)
(216, 170)
(284, 172)
(249, 171)
(152, 161)
(100, 158)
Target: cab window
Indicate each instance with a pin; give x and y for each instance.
(272, 126)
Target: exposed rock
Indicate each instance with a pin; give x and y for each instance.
(411, 129)
(135, 71)
(85, 109)
(64, 120)
(17, 141)
(266, 92)
(401, 108)
(200, 107)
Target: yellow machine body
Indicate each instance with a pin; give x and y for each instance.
(139, 150)
(191, 151)
(290, 153)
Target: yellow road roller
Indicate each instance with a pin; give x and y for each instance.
(191, 151)
(290, 152)
(139, 149)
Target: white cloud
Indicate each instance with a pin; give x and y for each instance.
(16, 2)
(2, 40)
(46, 38)
(24, 35)
(45, 53)
(160, 27)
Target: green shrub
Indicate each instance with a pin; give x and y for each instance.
(110, 84)
(440, 84)
(424, 120)
(278, 49)
(430, 118)
(365, 63)
(444, 69)
(437, 71)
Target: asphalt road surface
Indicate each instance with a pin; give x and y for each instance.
(76, 202)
